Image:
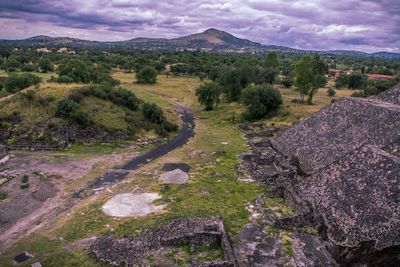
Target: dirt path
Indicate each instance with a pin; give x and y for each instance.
(56, 206)
(116, 175)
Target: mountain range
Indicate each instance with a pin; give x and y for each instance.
(211, 40)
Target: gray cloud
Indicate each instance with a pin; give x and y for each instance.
(308, 24)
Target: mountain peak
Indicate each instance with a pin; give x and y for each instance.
(213, 31)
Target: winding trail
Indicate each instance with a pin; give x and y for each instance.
(116, 175)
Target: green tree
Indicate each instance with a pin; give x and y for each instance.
(153, 113)
(266, 75)
(260, 101)
(16, 82)
(147, 75)
(208, 95)
(77, 69)
(309, 75)
(271, 60)
(45, 65)
(66, 106)
(356, 80)
(231, 85)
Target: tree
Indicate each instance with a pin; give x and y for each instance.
(11, 64)
(66, 106)
(271, 60)
(331, 92)
(247, 74)
(45, 65)
(208, 95)
(309, 76)
(153, 113)
(231, 85)
(266, 75)
(78, 70)
(147, 75)
(260, 100)
(356, 80)
(17, 82)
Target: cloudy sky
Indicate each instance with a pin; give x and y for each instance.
(308, 24)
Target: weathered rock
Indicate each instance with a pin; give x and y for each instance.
(3, 154)
(176, 176)
(196, 232)
(132, 205)
(346, 176)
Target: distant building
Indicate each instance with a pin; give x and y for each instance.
(335, 73)
(62, 50)
(43, 49)
(379, 76)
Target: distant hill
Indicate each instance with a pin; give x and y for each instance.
(211, 40)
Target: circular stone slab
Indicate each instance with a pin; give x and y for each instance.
(132, 205)
(176, 176)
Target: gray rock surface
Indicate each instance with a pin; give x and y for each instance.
(176, 176)
(195, 232)
(132, 205)
(340, 169)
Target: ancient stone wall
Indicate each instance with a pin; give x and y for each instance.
(340, 128)
(344, 165)
(196, 232)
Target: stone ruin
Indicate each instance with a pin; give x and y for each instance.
(340, 170)
(195, 232)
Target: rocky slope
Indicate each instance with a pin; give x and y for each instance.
(340, 169)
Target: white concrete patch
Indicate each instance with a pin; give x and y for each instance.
(176, 176)
(132, 205)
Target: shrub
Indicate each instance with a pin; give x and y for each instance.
(64, 79)
(208, 95)
(260, 101)
(3, 195)
(24, 186)
(331, 92)
(153, 113)
(147, 75)
(82, 117)
(287, 82)
(120, 96)
(29, 67)
(66, 107)
(17, 82)
(25, 179)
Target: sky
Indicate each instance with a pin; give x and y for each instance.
(363, 25)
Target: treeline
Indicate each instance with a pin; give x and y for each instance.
(252, 85)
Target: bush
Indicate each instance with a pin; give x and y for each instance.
(356, 80)
(153, 113)
(17, 82)
(25, 179)
(3, 195)
(82, 117)
(29, 67)
(120, 96)
(287, 82)
(208, 95)
(66, 107)
(24, 186)
(64, 79)
(260, 101)
(147, 75)
(331, 92)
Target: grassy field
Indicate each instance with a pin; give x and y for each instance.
(213, 188)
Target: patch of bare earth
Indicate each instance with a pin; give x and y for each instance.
(25, 210)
